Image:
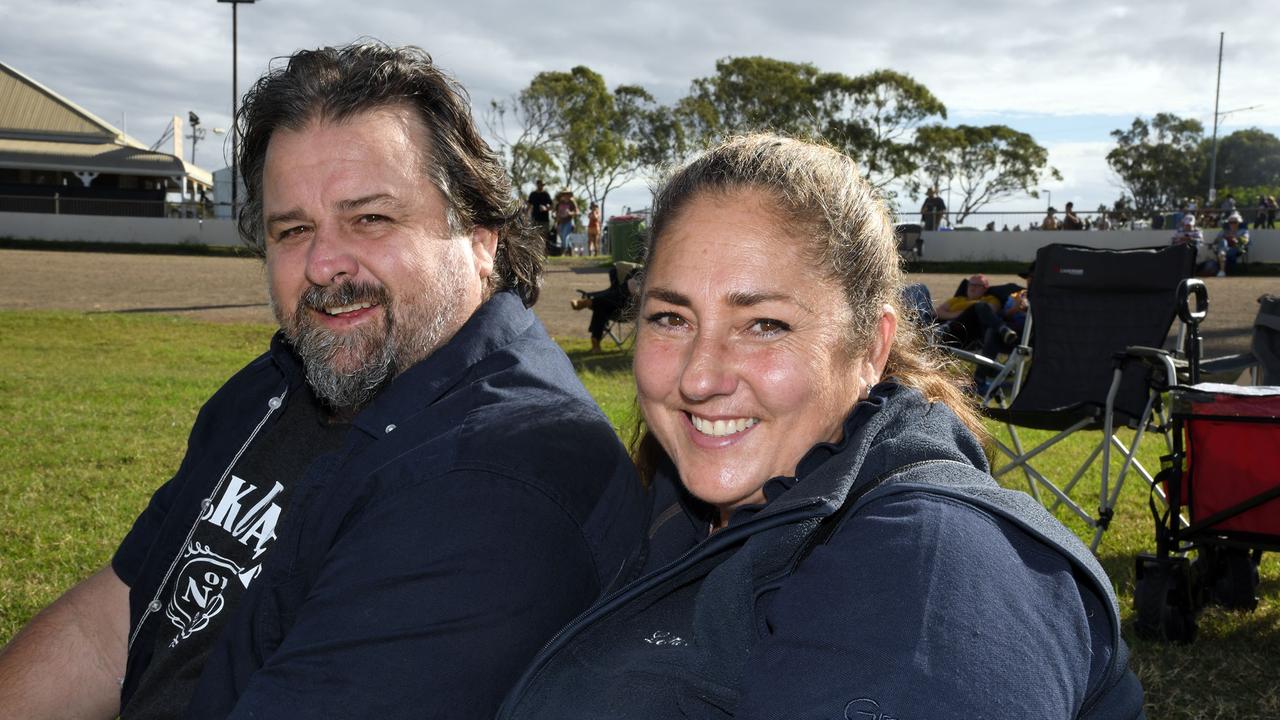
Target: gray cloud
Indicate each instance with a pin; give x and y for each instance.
(152, 59)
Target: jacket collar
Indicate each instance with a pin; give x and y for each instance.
(495, 324)
(892, 427)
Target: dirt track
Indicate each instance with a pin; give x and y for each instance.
(219, 289)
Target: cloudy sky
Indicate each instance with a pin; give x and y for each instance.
(1066, 72)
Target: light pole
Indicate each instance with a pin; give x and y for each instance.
(1050, 194)
(235, 100)
(1213, 157)
(198, 133)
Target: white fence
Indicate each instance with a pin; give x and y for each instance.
(982, 246)
(959, 245)
(105, 229)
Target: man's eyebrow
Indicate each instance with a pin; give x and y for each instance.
(360, 202)
(287, 216)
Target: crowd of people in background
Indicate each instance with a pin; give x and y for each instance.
(934, 216)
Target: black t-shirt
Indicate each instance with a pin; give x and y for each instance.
(225, 553)
(540, 206)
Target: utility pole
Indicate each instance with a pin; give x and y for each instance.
(1213, 161)
(235, 100)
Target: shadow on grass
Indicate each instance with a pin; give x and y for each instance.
(611, 360)
(185, 308)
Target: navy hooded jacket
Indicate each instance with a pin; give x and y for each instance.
(891, 578)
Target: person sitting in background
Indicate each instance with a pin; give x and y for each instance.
(624, 280)
(1231, 242)
(965, 319)
(1189, 234)
(1050, 220)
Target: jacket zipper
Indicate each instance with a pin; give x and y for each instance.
(712, 545)
(273, 404)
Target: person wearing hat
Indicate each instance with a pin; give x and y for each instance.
(1188, 234)
(933, 211)
(1232, 241)
(566, 211)
(1050, 220)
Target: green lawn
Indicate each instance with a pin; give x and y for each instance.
(97, 408)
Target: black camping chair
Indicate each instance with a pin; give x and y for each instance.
(910, 242)
(620, 325)
(1098, 315)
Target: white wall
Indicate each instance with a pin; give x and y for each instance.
(1021, 246)
(938, 246)
(98, 228)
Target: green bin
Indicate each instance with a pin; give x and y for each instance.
(626, 237)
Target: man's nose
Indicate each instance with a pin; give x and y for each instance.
(330, 257)
(709, 369)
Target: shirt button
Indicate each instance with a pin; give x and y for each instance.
(274, 403)
(154, 606)
(389, 428)
(204, 505)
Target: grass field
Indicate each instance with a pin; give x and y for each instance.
(96, 410)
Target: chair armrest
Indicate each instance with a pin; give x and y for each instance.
(975, 358)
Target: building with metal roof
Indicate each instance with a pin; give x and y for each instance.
(55, 156)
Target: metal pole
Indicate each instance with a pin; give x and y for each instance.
(234, 122)
(1213, 161)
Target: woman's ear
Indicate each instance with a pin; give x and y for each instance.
(882, 342)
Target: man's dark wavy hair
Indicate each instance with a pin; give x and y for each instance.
(334, 84)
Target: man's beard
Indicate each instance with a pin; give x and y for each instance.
(347, 370)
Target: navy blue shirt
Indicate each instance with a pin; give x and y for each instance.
(476, 506)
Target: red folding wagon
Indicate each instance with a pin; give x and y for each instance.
(1222, 482)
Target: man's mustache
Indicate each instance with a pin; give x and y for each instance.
(318, 297)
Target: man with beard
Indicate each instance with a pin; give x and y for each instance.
(389, 512)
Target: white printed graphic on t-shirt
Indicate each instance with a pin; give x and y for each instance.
(205, 574)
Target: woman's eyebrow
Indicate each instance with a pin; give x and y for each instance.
(668, 295)
(751, 298)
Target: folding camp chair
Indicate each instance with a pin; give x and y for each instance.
(1090, 307)
(910, 242)
(620, 325)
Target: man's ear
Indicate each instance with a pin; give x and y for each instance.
(484, 248)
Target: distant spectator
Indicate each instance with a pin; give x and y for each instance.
(1005, 228)
(933, 211)
(1260, 213)
(991, 226)
(1228, 205)
(566, 211)
(1050, 221)
(1157, 220)
(1102, 224)
(1071, 221)
(966, 319)
(1189, 234)
(1232, 242)
(1000, 337)
(1271, 211)
(1017, 227)
(539, 204)
(593, 229)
